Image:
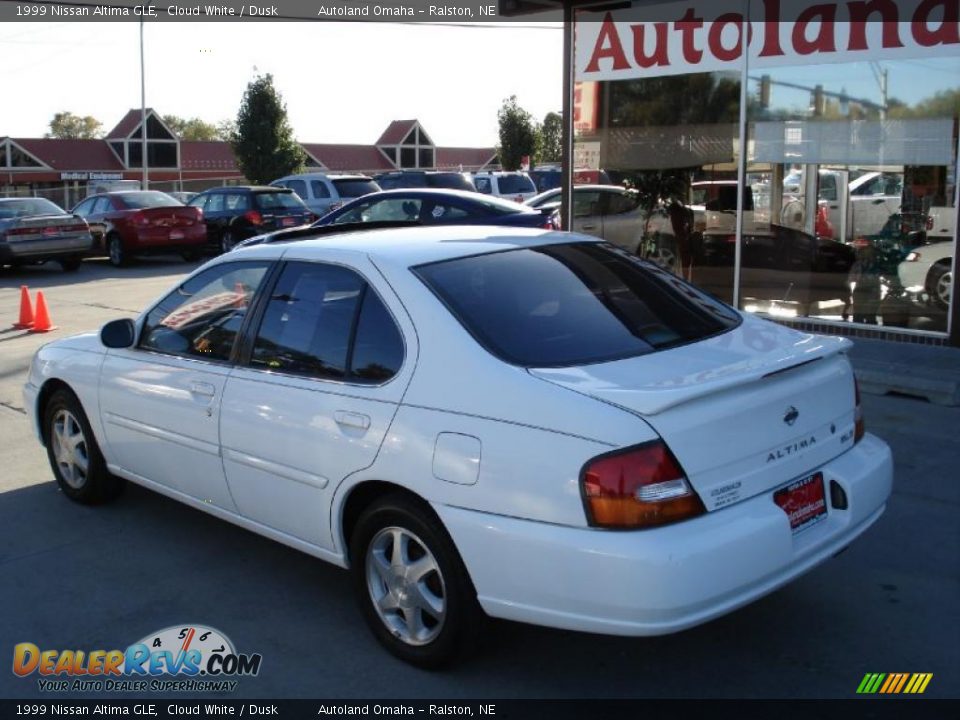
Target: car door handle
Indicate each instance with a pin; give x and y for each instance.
(589, 227)
(202, 388)
(353, 420)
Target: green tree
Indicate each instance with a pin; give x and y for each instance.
(67, 126)
(263, 143)
(519, 135)
(192, 129)
(552, 138)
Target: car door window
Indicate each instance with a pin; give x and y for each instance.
(84, 208)
(214, 204)
(619, 203)
(199, 202)
(586, 204)
(237, 203)
(399, 209)
(442, 212)
(103, 205)
(308, 321)
(483, 185)
(320, 189)
(828, 187)
(201, 318)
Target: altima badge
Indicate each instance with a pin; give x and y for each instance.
(791, 415)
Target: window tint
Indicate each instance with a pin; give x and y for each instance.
(586, 203)
(621, 202)
(146, 199)
(84, 208)
(355, 188)
(307, 324)
(378, 349)
(298, 186)
(512, 184)
(573, 304)
(202, 317)
(214, 204)
(279, 201)
(320, 189)
(236, 202)
(103, 205)
(400, 209)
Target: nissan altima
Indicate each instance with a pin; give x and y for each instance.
(529, 424)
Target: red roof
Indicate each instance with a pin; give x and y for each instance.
(71, 154)
(206, 155)
(127, 125)
(349, 157)
(469, 158)
(396, 132)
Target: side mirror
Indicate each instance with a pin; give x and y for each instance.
(118, 333)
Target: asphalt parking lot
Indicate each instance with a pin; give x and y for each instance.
(101, 578)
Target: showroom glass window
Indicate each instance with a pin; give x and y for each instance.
(842, 207)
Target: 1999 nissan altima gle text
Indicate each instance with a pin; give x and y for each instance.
(533, 425)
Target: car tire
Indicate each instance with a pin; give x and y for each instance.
(116, 252)
(75, 458)
(412, 586)
(227, 241)
(71, 264)
(940, 285)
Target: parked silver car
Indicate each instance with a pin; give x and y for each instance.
(36, 230)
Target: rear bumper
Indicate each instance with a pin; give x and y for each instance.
(31, 250)
(664, 580)
(169, 238)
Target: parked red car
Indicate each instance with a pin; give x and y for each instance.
(138, 222)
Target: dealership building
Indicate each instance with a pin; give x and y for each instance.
(65, 170)
(838, 124)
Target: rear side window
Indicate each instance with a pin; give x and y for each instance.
(355, 188)
(573, 304)
(513, 184)
(298, 186)
(316, 315)
(454, 181)
(278, 201)
(320, 189)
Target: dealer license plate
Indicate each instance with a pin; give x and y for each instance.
(803, 501)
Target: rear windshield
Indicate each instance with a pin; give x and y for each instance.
(146, 199)
(27, 207)
(453, 181)
(274, 200)
(511, 184)
(355, 188)
(573, 304)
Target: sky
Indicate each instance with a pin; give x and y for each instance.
(342, 82)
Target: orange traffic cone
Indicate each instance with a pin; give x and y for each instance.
(42, 322)
(26, 310)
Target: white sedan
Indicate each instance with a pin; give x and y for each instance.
(535, 425)
(929, 269)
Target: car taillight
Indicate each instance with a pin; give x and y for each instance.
(21, 231)
(912, 257)
(253, 217)
(139, 218)
(199, 213)
(859, 426)
(642, 487)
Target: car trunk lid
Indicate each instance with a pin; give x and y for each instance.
(744, 412)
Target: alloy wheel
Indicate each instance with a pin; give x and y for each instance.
(406, 586)
(70, 449)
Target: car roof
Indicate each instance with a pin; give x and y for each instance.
(407, 247)
(248, 188)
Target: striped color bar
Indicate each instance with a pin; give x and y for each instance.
(894, 683)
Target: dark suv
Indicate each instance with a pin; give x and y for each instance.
(425, 179)
(236, 213)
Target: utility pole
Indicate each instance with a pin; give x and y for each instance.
(143, 114)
